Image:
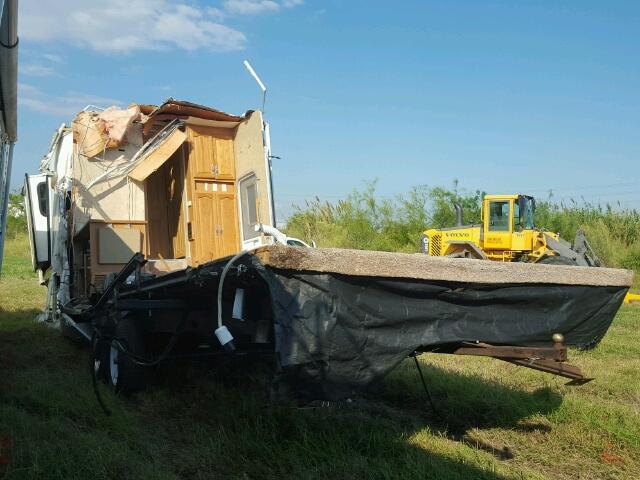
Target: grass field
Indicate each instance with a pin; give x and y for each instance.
(493, 420)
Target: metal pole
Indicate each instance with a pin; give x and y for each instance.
(8, 106)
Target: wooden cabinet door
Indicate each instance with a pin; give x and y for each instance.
(204, 234)
(215, 221)
(202, 155)
(211, 153)
(225, 165)
(227, 223)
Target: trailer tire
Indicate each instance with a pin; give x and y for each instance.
(124, 375)
(558, 260)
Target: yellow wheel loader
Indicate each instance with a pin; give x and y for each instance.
(507, 233)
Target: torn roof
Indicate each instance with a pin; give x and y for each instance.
(188, 109)
(107, 128)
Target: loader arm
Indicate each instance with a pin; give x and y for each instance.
(584, 249)
(563, 249)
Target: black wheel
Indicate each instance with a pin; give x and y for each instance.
(123, 374)
(558, 260)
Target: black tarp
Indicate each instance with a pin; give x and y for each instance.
(336, 335)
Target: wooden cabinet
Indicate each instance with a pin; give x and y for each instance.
(213, 214)
(215, 228)
(211, 153)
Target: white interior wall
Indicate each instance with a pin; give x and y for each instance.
(119, 198)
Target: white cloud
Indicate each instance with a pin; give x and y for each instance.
(122, 26)
(36, 70)
(53, 57)
(251, 7)
(214, 13)
(65, 106)
(39, 64)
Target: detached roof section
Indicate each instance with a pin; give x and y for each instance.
(188, 109)
(171, 108)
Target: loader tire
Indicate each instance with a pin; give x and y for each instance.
(124, 375)
(558, 260)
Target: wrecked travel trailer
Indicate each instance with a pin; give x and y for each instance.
(153, 229)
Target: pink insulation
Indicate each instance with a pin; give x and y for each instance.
(117, 121)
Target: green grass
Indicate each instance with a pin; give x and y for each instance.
(17, 258)
(494, 420)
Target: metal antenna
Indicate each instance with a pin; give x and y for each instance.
(255, 76)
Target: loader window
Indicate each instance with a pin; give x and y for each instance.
(499, 216)
(517, 221)
(527, 214)
(523, 213)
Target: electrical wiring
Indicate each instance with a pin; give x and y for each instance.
(149, 147)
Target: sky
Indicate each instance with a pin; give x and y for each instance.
(506, 97)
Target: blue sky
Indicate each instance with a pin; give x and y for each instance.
(505, 96)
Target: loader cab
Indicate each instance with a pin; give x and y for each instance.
(507, 222)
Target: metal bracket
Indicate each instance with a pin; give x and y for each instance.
(544, 359)
(134, 264)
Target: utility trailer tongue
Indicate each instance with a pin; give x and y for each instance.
(340, 320)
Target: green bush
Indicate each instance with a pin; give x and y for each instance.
(16, 218)
(365, 221)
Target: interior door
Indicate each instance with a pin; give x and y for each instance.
(175, 194)
(157, 214)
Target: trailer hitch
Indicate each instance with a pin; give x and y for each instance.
(545, 359)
